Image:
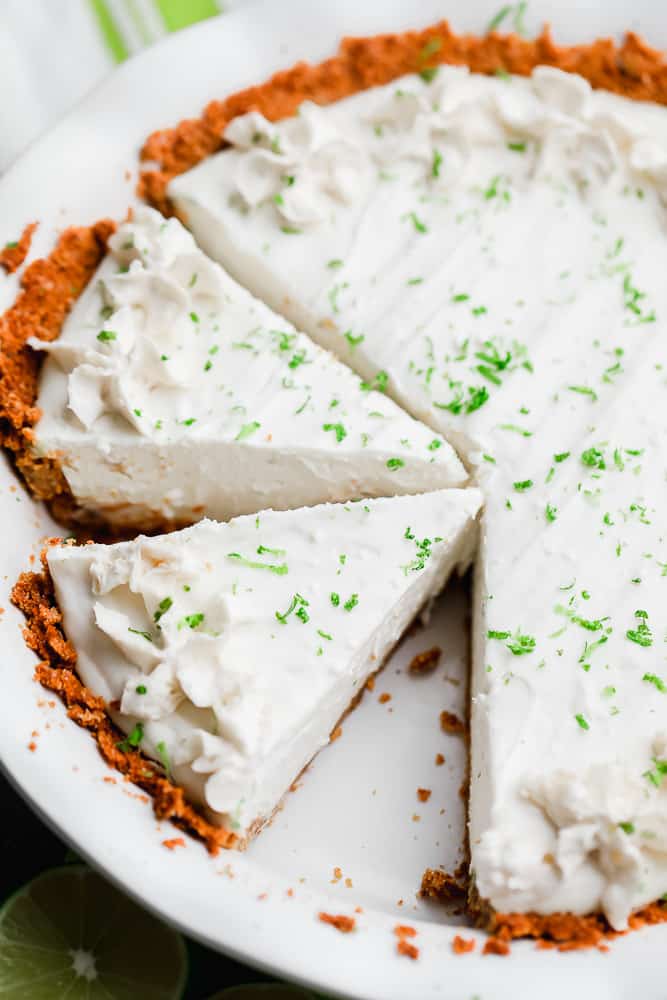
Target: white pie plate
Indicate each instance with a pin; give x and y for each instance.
(355, 808)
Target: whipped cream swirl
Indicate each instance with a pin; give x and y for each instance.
(554, 117)
(146, 297)
(303, 164)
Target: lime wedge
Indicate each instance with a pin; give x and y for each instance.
(264, 991)
(68, 933)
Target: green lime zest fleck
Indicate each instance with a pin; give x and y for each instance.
(498, 18)
(378, 383)
(584, 390)
(247, 430)
(261, 549)
(192, 621)
(144, 635)
(353, 340)
(161, 748)
(132, 741)
(280, 569)
(659, 771)
(420, 226)
(162, 608)
(641, 635)
(297, 602)
(338, 430)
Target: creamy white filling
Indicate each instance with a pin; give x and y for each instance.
(172, 393)
(504, 269)
(233, 649)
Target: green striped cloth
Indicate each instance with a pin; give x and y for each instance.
(127, 25)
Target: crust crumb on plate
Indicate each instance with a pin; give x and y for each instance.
(403, 945)
(450, 723)
(14, 253)
(33, 594)
(632, 68)
(461, 946)
(424, 663)
(496, 946)
(339, 921)
(173, 843)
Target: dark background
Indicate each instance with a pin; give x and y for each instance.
(27, 848)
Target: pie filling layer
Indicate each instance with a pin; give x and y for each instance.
(485, 251)
(228, 652)
(492, 247)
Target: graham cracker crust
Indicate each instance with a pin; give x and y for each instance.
(563, 931)
(49, 287)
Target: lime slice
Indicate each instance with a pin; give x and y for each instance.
(264, 991)
(68, 933)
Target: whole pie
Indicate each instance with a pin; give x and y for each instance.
(371, 297)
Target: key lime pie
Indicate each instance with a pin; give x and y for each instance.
(231, 651)
(171, 393)
(480, 243)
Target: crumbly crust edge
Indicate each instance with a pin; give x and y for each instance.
(632, 69)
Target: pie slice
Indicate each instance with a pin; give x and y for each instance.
(172, 394)
(492, 246)
(229, 652)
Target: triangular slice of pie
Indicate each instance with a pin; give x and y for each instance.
(172, 394)
(229, 652)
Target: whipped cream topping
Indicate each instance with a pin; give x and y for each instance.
(233, 649)
(301, 165)
(167, 372)
(504, 271)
